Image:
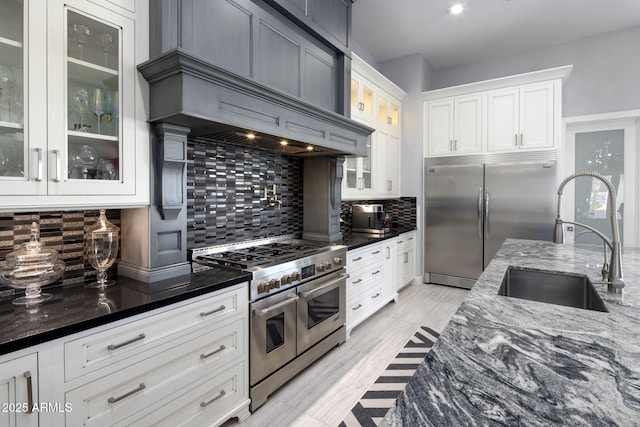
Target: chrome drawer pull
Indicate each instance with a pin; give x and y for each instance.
(375, 253)
(38, 177)
(205, 404)
(205, 356)
(27, 375)
(376, 272)
(400, 241)
(357, 281)
(357, 307)
(376, 295)
(131, 341)
(124, 396)
(217, 310)
(357, 259)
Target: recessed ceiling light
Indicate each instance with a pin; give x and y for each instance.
(455, 9)
(251, 136)
(309, 147)
(283, 142)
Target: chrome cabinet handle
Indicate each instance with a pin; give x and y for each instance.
(455, 145)
(516, 138)
(27, 375)
(58, 176)
(357, 307)
(389, 185)
(209, 402)
(216, 310)
(356, 281)
(376, 295)
(127, 394)
(410, 238)
(206, 356)
(38, 177)
(389, 120)
(400, 241)
(131, 341)
(451, 145)
(357, 259)
(388, 252)
(375, 272)
(375, 253)
(264, 311)
(521, 140)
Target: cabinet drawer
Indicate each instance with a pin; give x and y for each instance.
(210, 402)
(127, 392)
(359, 281)
(364, 256)
(128, 343)
(361, 306)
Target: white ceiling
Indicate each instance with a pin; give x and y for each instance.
(389, 29)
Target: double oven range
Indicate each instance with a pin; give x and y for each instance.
(297, 304)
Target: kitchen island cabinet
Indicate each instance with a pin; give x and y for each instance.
(509, 361)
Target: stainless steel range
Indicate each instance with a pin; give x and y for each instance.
(297, 304)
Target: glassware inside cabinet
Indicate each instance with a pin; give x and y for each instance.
(93, 96)
(12, 89)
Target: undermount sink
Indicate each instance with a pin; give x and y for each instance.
(569, 289)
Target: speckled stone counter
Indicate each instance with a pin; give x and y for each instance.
(508, 361)
(78, 307)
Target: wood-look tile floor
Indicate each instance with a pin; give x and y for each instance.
(326, 391)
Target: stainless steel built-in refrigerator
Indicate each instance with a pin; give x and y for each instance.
(473, 203)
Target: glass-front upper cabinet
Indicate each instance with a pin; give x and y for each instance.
(87, 124)
(12, 90)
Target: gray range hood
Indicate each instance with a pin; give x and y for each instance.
(217, 105)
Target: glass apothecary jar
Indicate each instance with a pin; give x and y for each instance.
(31, 267)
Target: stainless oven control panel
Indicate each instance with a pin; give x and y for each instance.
(283, 276)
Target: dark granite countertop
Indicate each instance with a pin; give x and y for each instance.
(509, 361)
(75, 308)
(355, 240)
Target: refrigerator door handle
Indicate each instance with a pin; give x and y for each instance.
(480, 213)
(487, 226)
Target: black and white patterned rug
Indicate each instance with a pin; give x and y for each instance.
(374, 404)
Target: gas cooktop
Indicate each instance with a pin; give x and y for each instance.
(261, 255)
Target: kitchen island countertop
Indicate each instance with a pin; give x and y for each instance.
(508, 361)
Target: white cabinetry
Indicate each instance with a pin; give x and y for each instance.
(454, 125)
(19, 391)
(368, 285)
(72, 124)
(375, 102)
(405, 259)
(520, 118)
(183, 364)
(506, 114)
(189, 363)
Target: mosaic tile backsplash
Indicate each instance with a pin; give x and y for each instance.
(63, 231)
(225, 188)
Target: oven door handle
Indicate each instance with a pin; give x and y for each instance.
(306, 295)
(264, 311)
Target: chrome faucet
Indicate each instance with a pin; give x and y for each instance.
(614, 277)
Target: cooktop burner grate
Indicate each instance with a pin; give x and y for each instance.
(260, 255)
